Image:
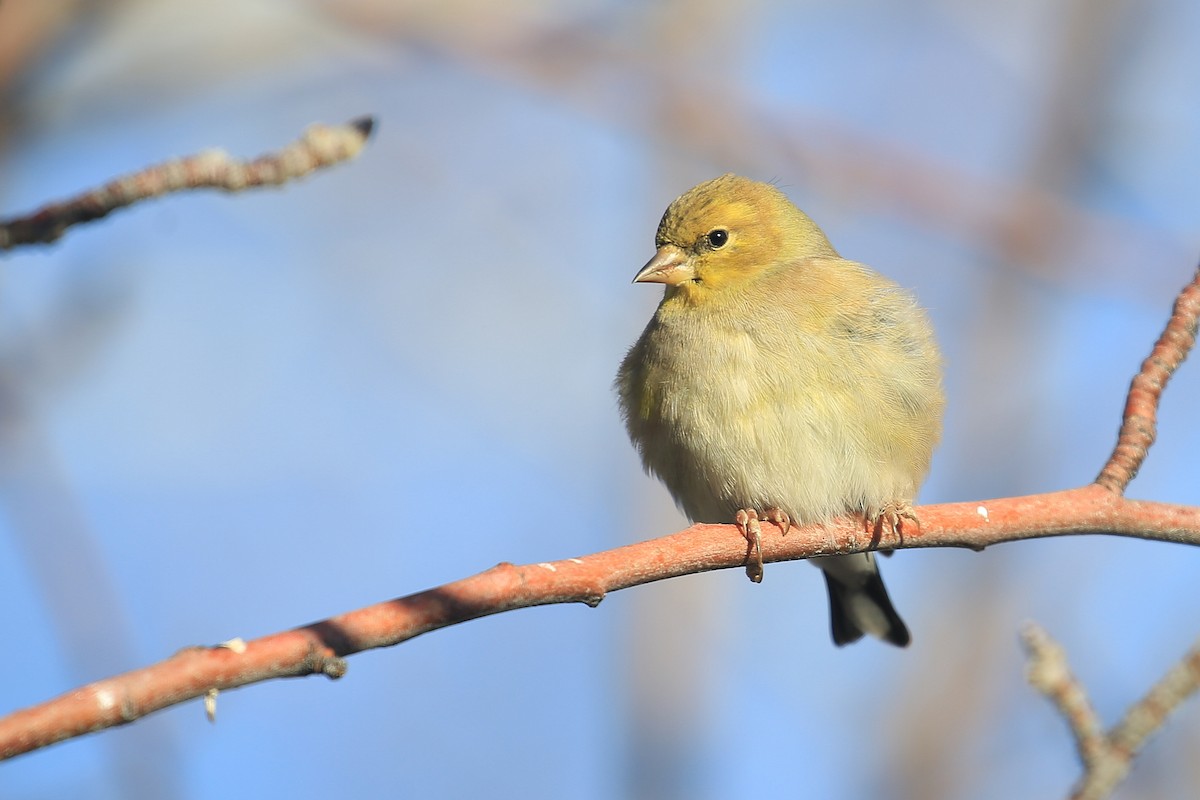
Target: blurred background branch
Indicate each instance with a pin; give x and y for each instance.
(1107, 756)
(321, 146)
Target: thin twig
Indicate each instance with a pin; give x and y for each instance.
(1140, 420)
(1151, 711)
(320, 146)
(1107, 757)
(1049, 673)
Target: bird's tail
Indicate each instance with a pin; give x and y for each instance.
(859, 602)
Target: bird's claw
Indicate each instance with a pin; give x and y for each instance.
(779, 517)
(751, 524)
(747, 520)
(891, 518)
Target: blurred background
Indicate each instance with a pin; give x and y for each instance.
(229, 415)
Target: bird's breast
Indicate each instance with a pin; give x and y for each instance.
(709, 413)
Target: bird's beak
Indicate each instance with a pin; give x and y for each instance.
(670, 265)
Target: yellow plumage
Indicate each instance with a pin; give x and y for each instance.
(777, 375)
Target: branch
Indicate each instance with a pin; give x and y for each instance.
(321, 146)
(319, 648)
(1107, 757)
(1140, 420)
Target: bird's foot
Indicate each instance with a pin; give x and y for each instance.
(750, 522)
(891, 518)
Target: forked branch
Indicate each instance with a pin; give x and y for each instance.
(1107, 756)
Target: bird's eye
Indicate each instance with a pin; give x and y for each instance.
(717, 238)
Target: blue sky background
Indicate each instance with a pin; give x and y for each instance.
(230, 415)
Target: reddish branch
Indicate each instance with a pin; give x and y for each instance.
(1107, 757)
(320, 647)
(1140, 419)
(320, 146)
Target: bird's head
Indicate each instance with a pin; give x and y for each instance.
(723, 233)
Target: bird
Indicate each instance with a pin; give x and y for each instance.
(777, 377)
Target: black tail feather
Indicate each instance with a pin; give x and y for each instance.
(844, 626)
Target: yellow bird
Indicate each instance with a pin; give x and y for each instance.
(778, 377)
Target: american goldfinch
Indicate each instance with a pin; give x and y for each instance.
(778, 377)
